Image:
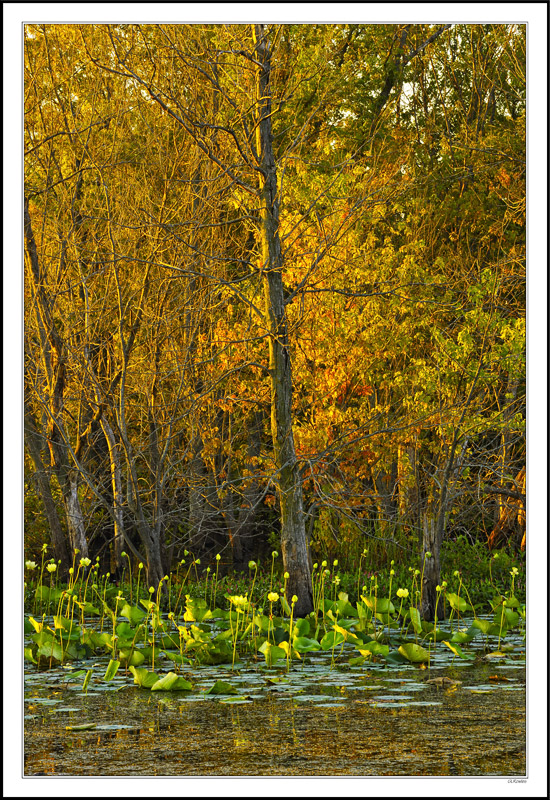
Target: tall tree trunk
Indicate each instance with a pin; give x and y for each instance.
(432, 537)
(293, 532)
(75, 517)
(118, 541)
(33, 441)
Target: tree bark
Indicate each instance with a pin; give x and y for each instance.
(118, 499)
(289, 485)
(59, 544)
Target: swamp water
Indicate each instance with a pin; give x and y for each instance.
(319, 718)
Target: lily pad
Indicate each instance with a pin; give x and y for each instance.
(414, 652)
(85, 726)
(221, 687)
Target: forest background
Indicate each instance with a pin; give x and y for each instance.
(274, 291)
(537, 306)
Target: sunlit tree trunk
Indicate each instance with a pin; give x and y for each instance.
(293, 532)
(33, 442)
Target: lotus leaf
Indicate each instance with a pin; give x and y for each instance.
(112, 669)
(414, 652)
(144, 678)
(271, 653)
(457, 603)
(171, 683)
(374, 648)
(131, 656)
(304, 645)
(332, 639)
(415, 619)
(462, 637)
(221, 687)
(300, 628)
(134, 614)
(381, 604)
(482, 625)
(455, 648)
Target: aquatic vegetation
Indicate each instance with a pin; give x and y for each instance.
(140, 636)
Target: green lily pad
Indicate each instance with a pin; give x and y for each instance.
(221, 687)
(414, 653)
(171, 683)
(85, 726)
(304, 645)
(143, 678)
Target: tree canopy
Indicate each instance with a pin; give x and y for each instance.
(274, 288)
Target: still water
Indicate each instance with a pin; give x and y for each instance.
(376, 721)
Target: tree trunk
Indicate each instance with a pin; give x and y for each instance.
(118, 541)
(75, 517)
(33, 441)
(433, 528)
(293, 533)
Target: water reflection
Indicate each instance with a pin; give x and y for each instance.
(463, 734)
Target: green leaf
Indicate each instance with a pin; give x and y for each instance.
(357, 661)
(134, 614)
(124, 631)
(415, 619)
(457, 603)
(112, 669)
(72, 675)
(171, 683)
(271, 652)
(462, 637)
(375, 649)
(395, 657)
(332, 639)
(87, 680)
(285, 606)
(177, 658)
(221, 687)
(36, 625)
(300, 628)
(455, 648)
(85, 726)
(196, 610)
(304, 645)
(382, 604)
(482, 625)
(506, 617)
(131, 656)
(51, 650)
(414, 653)
(28, 654)
(143, 678)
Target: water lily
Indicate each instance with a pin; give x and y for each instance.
(272, 597)
(404, 593)
(251, 565)
(51, 567)
(85, 562)
(30, 565)
(238, 600)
